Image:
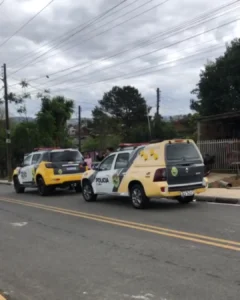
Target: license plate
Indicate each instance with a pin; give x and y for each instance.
(71, 168)
(187, 193)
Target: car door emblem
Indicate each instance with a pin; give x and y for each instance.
(186, 170)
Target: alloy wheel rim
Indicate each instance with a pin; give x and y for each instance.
(136, 197)
(87, 192)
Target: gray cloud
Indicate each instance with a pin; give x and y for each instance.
(167, 68)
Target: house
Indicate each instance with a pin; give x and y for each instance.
(218, 127)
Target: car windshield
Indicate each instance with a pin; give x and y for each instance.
(181, 151)
(66, 155)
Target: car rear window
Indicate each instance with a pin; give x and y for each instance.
(181, 151)
(66, 156)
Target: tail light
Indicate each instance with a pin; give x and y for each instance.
(160, 175)
(49, 165)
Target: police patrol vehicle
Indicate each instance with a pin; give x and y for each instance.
(48, 168)
(172, 169)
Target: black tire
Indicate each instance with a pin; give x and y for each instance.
(43, 190)
(19, 189)
(185, 200)
(78, 188)
(138, 197)
(88, 193)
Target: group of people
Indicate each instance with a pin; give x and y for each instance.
(99, 156)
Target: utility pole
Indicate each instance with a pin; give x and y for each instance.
(8, 137)
(158, 101)
(79, 127)
(149, 125)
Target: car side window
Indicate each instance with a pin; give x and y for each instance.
(122, 160)
(35, 158)
(45, 156)
(106, 165)
(27, 160)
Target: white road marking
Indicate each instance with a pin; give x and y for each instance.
(19, 224)
(144, 297)
(215, 203)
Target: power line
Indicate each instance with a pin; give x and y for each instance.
(217, 47)
(182, 27)
(94, 104)
(66, 34)
(25, 24)
(149, 70)
(73, 32)
(2, 2)
(154, 7)
(155, 59)
(163, 48)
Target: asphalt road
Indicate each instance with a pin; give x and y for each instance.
(60, 247)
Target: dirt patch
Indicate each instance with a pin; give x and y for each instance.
(233, 180)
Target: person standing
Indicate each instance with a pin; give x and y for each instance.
(88, 160)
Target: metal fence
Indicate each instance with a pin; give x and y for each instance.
(227, 153)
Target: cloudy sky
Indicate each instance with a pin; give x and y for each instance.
(80, 49)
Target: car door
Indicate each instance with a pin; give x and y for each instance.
(25, 175)
(32, 169)
(120, 168)
(103, 180)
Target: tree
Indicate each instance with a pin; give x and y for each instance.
(52, 120)
(163, 129)
(25, 137)
(122, 108)
(96, 143)
(218, 89)
(19, 99)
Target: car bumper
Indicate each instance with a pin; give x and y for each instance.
(163, 190)
(63, 179)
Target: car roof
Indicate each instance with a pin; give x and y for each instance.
(122, 151)
(63, 149)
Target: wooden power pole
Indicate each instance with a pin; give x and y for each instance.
(158, 101)
(79, 127)
(7, 125)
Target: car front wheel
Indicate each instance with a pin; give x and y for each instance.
(88, 193)
(19, 189)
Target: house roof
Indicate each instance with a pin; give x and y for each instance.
(219, 117)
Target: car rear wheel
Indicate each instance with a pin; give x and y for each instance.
(88, 193)
(185, 200)
(19, 189)
(43, 190)
(138, 197)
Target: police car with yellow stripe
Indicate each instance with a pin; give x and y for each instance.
(172, 169)
(50, 168)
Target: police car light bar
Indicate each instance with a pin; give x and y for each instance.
(46, 149)
(132, 144)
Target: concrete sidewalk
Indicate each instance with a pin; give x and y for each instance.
(231, 196)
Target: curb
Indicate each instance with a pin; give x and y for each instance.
(5, 182)
(217, 199)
